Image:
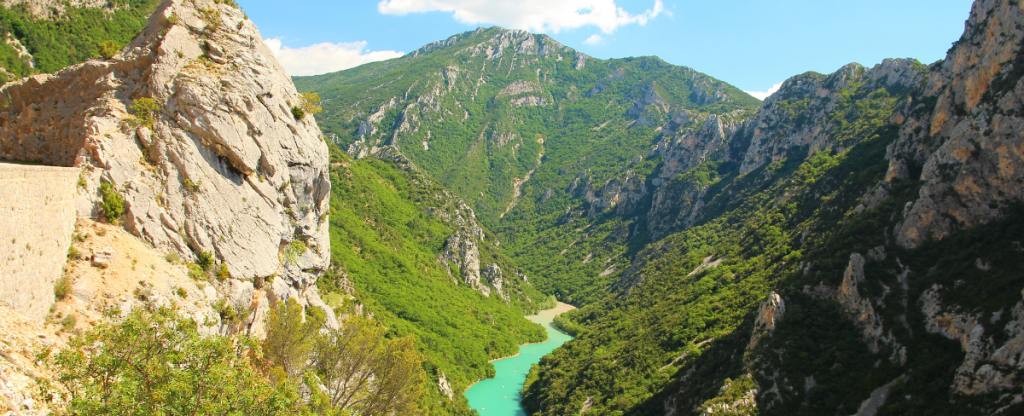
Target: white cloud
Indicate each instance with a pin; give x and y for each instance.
(532, 15)
(322, 58)
(593, 40)
(763, 95)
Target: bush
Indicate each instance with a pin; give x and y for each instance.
(113, 203)
(309, 103)
(68, 323)
(363, 372)
(62, 289)
(205, 260)
(223, 273)
(172, 258)
(298, 113)
(109, 48)
(195, 272)
(145, 111)
(156, 362)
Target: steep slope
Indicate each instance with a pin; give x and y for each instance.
(853, 248)
(412, 254)
(486, 111)
(191, 125)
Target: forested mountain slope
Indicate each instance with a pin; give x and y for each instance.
(858, 239)
(412, 254)
(484, 111)
(522, 127)
(855, 237)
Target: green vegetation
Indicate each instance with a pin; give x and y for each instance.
(157, 363)
(479, 140)
(387, 230)
(144, 112)
(109, 48)
(363, 372)
(154, 361)
(62, 289)
(113, 203)
(73, 37)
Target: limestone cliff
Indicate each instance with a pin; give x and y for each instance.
(192, 124)
(962, 132)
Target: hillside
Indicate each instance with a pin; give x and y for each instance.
(411, 253)
(853, 238)
(852, 249)
(487, 110)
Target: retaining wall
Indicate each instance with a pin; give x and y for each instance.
(37, 219)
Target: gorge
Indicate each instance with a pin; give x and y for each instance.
(849, 245)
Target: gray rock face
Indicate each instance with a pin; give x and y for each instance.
(860, 309)
(222, 166)
(968, 143)
(492, 273)
(463, 252)
(777, 128)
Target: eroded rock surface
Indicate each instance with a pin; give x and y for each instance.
(218, 164)
(963, 132)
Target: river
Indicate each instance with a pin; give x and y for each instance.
(499, 396)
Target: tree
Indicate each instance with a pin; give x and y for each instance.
(290, 339)
(156, 363)
(359, 370)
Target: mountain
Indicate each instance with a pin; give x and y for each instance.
(519, 126)
(485, 111)
(850, 246)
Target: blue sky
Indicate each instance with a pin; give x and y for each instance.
(752, 44)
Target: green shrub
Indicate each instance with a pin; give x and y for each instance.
(172, 258)
(145, 111)
(223, 273)
(73, 253)
(62, 289)
(205, 260)
(68, 323)
(298, 113)
(108, 49)
(195, 272)
(113, 203)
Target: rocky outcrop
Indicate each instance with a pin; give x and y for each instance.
(963, 131)
(192, 125)
(771, 311)
(444, 386)
(987, 366)
(460, 250)
(860, 309)
(797, 115)
(493, 275)
(50, 9)
(677, 204)
(620, 195)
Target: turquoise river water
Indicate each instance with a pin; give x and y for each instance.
(499, 396)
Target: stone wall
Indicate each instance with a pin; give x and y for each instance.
(37, 218)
